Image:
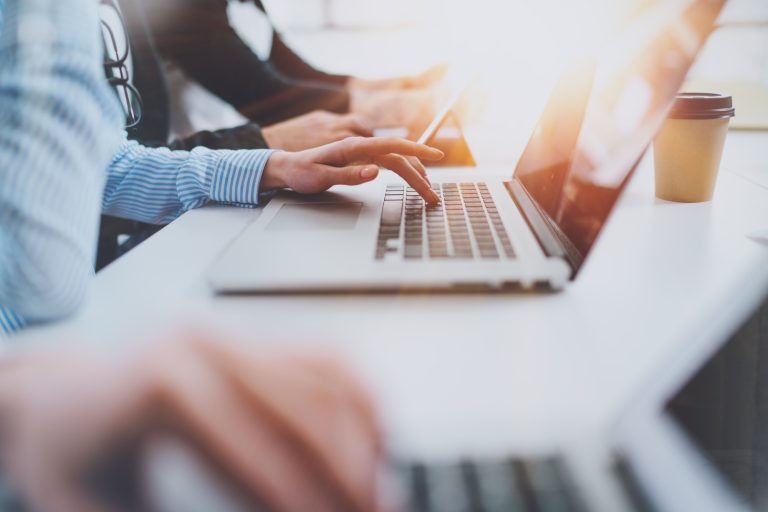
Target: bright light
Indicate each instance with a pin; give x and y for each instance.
(518, 50)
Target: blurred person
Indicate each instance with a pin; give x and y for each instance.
(197, 37)
(84, 430)
(60, 129)
(68, 413)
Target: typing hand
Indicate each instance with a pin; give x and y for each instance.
(314, 129)
(351, 162)
(293, 432)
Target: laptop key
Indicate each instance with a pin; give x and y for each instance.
(437, 246)
(412, 252)
(448, 490)
(419, 488)
(550, 488)
(391, 213)
(498, 489)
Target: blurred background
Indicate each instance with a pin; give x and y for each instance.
(406, 35)
(518, 45)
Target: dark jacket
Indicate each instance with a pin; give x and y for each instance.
(196, 36)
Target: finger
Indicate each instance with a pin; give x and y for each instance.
(355, 125)
(239, 435)
(416, 163)
(386, 145)
(359, 149)
(344, 134)
(321, 421)
(343, 381)
(330, 373)
(319, 414)
(351, 175)
(323, 115)
(400, 165)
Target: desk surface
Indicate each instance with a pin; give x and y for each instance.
(474, 373)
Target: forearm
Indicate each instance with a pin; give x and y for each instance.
(58, 127)
(198, 37)
(156, 185)
(295, 101)
(288, 62)
(228, 68)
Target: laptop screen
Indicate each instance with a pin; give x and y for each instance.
(601, 118)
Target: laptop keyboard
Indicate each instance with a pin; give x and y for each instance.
(515, 485)
(465, 224)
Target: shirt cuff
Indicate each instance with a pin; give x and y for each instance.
(237, 176)
(10, 322)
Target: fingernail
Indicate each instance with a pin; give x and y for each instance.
(368, 173)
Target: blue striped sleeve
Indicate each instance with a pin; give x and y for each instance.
(156, 185)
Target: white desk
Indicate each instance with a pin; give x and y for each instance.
(468, 373)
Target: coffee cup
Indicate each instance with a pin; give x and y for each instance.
(688, 148)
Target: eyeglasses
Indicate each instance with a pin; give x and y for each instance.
(115, 64)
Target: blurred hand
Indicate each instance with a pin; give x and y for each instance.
(394, 109)
(314, 129)
(428, 78)
(350, 162)
(296, 432)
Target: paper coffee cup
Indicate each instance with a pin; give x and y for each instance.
(688, 148)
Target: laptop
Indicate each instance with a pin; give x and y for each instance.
(531, 229)
(657, 455)
(650, 459)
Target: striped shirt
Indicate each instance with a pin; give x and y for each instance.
(59, 131)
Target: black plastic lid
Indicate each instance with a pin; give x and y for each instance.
(702, 105)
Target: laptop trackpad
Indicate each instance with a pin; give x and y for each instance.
(315, 216)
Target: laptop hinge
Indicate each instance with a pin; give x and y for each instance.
(553, 242)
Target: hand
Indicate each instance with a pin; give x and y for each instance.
(314, 129)
(350, 162)
(297, 432)
(394, 109)
(428, 78)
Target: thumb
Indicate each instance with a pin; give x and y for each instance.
(353, 174)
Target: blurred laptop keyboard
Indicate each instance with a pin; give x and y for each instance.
(524, 485)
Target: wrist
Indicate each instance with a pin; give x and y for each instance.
(274, 172)
(268, 134)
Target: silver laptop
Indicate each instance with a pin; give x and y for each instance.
(529, 230)
(657, 455)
